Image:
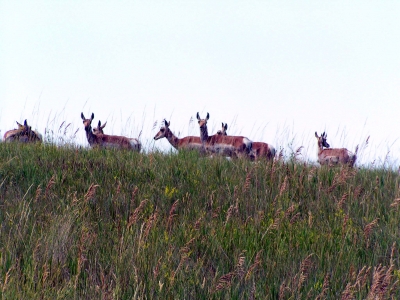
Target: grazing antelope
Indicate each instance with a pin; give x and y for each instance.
(23, 133)
(334, 156)
(188, 142)
(108, 141)
(13, 134)
(233, 146)
(259, 149)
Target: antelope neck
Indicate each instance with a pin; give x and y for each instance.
(203, 133)
(172, 139)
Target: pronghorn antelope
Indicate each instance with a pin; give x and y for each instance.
(259, 149)
(233, 146)
(13, 134)
(108, 141)
(334, 156)
(23, 133)
(99, 128)
(188, 142)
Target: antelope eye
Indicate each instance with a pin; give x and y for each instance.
(162, 129)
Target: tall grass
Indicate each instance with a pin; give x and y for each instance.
(90, 223)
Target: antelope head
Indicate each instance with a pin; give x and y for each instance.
(99, 128)
(202, 122)
(164, 130)
(203, 127)
(87, 122)
(223, 130)
(322, 141)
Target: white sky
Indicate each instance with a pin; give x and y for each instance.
(275, 71)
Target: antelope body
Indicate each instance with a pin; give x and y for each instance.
(259, 149)
(233, 146)
(108, 141)
(23, 133)
(188, 142)
(329, 156)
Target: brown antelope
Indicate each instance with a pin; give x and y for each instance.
(99, 128)
(108, 141)
(23, 133)
(233, 146)
(333, 156)
(259, 149)
(13, 134)
(188, 142)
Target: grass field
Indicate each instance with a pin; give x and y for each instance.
(96, 224)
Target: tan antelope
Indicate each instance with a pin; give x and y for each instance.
(188, 142)
(23, 133)
(13, 134)
(334, 156)
(259, 149)
(108, 141)
(233, 146)
(99, 128)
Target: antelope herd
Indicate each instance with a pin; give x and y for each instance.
(218, 144)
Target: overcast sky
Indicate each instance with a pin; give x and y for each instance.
(275, 71)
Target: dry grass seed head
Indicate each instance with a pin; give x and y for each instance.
(369, 227)
(172, 214)
(91, 192)
(50, 184)
(305, 268)
(257, 262)
(342, 200)
(134, 217)
(295, 218)
(240, 265)
(395, 203)
(225, 281)
(38, 193)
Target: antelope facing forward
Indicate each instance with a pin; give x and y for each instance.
(233, 146)
(23, 133)
(334, 156)
(259, 149)
(188, 142)
(108, 141)
(99, 128)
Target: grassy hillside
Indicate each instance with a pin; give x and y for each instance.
(96, 224)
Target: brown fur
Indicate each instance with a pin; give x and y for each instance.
(188, 142)
(23, 133)
(333, 156)
(233, 146)
(259, 149)
(108, 141)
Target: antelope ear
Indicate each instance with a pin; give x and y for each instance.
(198, 116)
(92, 116)
(323, 134)
(82, 116)
(20, 125)
(168, 123)
(316, 135)
(25, 123)
(208, 116)
(226, 126)
(104, 125)
(99, 124)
